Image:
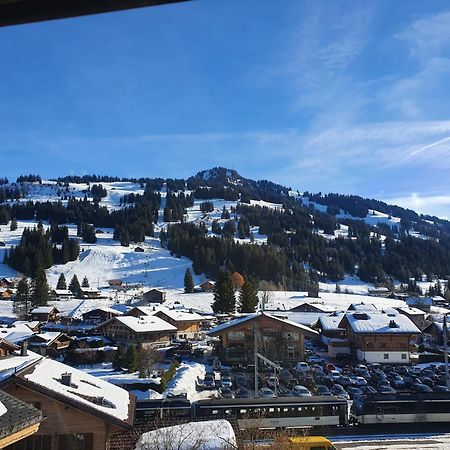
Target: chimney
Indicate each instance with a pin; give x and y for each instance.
(24, 348)
(393, 324)
(66, 379)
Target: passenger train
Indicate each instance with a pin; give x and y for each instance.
(306, 412)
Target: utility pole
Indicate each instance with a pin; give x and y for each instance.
(255, 350)
(444, 329)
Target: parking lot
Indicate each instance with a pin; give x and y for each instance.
(319, 375)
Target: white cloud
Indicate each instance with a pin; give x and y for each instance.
(436, 205)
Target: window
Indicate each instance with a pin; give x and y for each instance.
(33, 443)
(236, 335)
(403, 355)
(75, 441)
(386, 356)
(290, 351)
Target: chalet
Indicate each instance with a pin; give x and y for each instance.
(207, 286)
(81, 411)
(303, 318)
(379, 337)
(279, 339)
(139, 249)
(153, 296)
(44, 314)
(417, 316)
(89, 293)
(379, 291)
(61, 294)
(434, 333)
(332, 335)
(187, 323)
(34, 326)
(5, 294)
(115, 283)
(49, 343)
(139, 311)
(6, 283)
(423, 303)
(144, 330)
(7, 348)
(18, 421)
(100, 315)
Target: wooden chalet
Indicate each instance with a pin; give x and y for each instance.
(44, 314)
(187, 323)
(62, 294)
(153, 296)
(89, 293)
(49, 343)
(7, 348)
(100, 315)
(207, 286)
(379, 337)
(18, 421)
(6, 283)
(144, 330)
(81, 411)
(278, 339)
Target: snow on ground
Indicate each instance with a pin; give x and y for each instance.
(349, 284)
(184, 381)
(208, 435)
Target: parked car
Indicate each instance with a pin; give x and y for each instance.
(314, 359)
(226, 392)
(440, 388)
(321, 389)
(421, 388)
(265, 392)
(273, 382)
(301, 391)
(383, 389)
(240, 379)
(243, 393)
(354, 392)
(226, 382)
(209, 382)
(302, 366)
(339, 391)
(344, 380)
(284, 392)
(216, 365)
(360, 381)
(335, 374)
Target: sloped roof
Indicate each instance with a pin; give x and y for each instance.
(330, 323)
(16, 415)
(179, 315)
(86, 392)
(145, 324)
(227, 325)
(380, 323)
(43, 310)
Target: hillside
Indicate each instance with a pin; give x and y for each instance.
(218, 219)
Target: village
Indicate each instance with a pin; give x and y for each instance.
(89, 354)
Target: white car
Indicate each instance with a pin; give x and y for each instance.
(313, 359)
(302, 366)
(301, 391)
(335, 374)
(360, 381)
(273, 381)
(226, 382)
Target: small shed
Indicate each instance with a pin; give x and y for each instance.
(154, 296)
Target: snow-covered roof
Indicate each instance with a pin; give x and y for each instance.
(241, 320)
(88, 290)
(29, 324)
(43, 310)
(145, 324)
(304, 318)
(362, 307)
(48, 337)
(330, 323)
(87, 390)
(178, 315)
(208, 435)
(12, 364)
(105, 309)
(411, 311)
(363, 322)
(62, 292)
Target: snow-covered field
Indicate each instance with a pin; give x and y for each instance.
(399, 442)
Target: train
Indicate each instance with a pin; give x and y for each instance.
(305, 412)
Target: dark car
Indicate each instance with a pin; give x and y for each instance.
(440, 388)
(241, 381)
(345, 381)
(354, 392)
(209, 382)
(284, 392)
(421, 388)
(243, 393)
(226, 392)
(339, 391)
(383, 389)
(321, 389)
(368, 389)
(427, 381)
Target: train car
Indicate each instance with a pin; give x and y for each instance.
(163, 408)
(268, 413)
(402, 408)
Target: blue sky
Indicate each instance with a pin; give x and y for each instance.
(348, 96)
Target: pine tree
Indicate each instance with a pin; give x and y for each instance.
(118, 358)
(224, 299)
(188, 281)
(85, 282)
(74, 285)
(22, 299)
(130, 360)
(13, 226)
(61, 285)
(40, 296)
(248, 296)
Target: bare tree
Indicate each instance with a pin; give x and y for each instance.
(147, 358)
